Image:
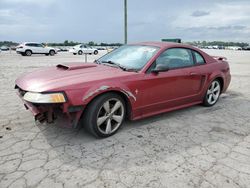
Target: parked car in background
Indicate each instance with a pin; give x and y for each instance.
(13, 48)
(234, 48)
(110, 49)
(134, 81)
(246, 48)
(62, 49)
(4, 48)
(83, 49)
(29, 48)
(101, 48)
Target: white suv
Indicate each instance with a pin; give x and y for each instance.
(83, 49)
(29, 48)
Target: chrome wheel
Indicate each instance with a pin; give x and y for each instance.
(110, 116)
(213, 92)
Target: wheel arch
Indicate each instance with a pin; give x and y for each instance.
(28, 50)
(221, 80)
(217, 76)
(127, 96)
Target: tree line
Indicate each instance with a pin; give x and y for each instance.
(218, 43)
(8, 43)
(92, 43)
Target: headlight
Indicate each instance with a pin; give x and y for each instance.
(44, 97)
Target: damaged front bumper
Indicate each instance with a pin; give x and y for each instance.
(69, 116)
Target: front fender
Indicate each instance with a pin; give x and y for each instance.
(103, 88)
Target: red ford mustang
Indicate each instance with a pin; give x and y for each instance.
(133, 81)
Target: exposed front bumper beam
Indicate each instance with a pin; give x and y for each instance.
(68, 116)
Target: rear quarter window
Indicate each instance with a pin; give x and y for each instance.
(199, 59)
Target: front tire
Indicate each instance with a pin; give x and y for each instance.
(105, 115)
(213, 93)
(95, 52)
(52, 52)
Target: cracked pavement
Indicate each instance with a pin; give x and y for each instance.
(192, 147)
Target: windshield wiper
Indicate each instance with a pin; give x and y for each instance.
(97, 61)
(116, 64)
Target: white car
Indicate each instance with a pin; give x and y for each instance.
(83, 49)
(29, 48)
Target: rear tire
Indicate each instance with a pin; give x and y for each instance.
(105, 115)
(212, 94)
(95, 52)
(80, 52)
(28, 52)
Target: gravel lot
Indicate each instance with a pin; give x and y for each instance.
(193, 147)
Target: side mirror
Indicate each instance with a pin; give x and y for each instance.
(160, 68)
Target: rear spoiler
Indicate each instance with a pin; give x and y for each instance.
(219, 58)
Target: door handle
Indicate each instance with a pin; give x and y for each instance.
(193, 74)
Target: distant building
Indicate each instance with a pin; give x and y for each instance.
(171, 40)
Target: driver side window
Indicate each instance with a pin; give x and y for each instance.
(176, 58)
(39, 45)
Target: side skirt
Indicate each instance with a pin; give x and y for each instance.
(166, 110)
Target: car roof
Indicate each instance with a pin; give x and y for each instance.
(165, 44)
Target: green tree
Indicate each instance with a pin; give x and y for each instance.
(66, 42)
(91, 43)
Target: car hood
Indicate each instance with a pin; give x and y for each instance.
(50, 48)
(68, 76)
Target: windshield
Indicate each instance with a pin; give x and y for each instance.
(130, 56)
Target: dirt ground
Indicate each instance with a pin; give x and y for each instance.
(192, 147)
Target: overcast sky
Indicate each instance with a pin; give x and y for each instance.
(102, 20)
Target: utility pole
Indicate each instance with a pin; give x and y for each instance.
(125, 23)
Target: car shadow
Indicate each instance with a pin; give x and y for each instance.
(172, 133)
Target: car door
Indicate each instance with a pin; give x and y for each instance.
(32, 47)
(89, 49)
(40, 48)
(85, 49)
(36, 48)
(177, 86)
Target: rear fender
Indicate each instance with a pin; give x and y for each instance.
(212, 77)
